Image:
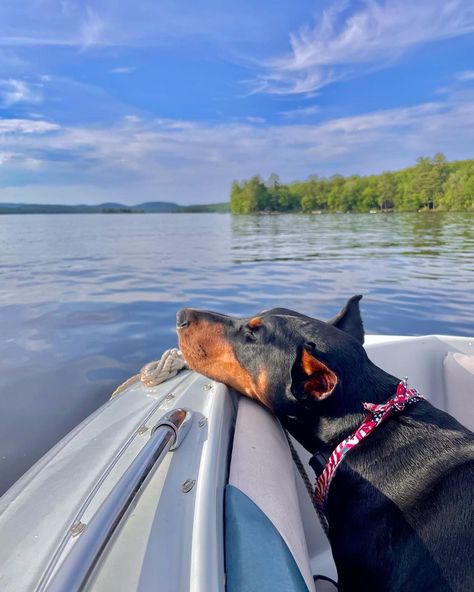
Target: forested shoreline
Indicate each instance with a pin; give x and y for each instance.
(432, 184)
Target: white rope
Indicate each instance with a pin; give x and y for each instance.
(153, 373)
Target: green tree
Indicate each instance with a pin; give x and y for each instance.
(236, 198)
(387, 190)
(431, 183)
(249, 196)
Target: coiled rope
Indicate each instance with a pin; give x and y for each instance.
(154, 373)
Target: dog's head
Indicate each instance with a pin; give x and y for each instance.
(291, 363)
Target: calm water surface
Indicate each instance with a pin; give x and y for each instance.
(86, 300)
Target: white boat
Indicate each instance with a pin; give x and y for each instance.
(188, 487)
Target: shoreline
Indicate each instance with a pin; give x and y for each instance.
(252, 214)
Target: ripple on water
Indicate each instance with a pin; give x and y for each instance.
(87, 300)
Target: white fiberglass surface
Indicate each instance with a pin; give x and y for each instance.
(173, 538)
(68, 485)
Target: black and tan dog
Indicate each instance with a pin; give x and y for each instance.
(401, 504)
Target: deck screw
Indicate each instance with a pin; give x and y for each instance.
(169, 397)
(187, 485)
(202, 422)
(207, 386)
(77, 528)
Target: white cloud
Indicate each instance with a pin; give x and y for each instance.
(128, 23)
(132, 119)
(252, 119)
(17, 149)
(26, 126)
(139, 159)
(341, 40)
(122, 70)
(92, 30)
(466, 76)
(60, 23)
(300, 113)
(5, 157)
(18, 91)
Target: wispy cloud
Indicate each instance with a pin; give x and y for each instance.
(16, 151)
(26, 126)
(18, 91)
(92, 29)
(128, 23)
(188, 161)
(301, 113)
(57, 23)
(342, 39)
(122, 70)
(5, 157)
(466, 76)
(253, 119)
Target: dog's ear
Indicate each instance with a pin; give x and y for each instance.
(311, 378)
(349, 319)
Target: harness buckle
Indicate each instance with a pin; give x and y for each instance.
(318, 461)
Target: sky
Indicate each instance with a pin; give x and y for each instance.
(170, 100)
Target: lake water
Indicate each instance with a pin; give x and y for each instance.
(86, 300)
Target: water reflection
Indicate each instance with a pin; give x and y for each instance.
(416, 270)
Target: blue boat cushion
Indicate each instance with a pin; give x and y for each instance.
(257, 558)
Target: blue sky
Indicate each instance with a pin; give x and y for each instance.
(166, 100)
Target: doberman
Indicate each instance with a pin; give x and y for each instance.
(400, 507)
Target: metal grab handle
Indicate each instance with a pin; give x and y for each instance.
(79, 564)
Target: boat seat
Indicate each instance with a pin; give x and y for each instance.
(266, 548)
(459, 384)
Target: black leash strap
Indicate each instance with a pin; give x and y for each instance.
(307, 482)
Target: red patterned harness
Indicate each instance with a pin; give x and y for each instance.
(377, 414)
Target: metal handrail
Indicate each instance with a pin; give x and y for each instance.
(78, 565)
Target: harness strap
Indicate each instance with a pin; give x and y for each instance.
(376, 415)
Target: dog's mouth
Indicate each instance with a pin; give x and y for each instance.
(182, 321)
(201, 341)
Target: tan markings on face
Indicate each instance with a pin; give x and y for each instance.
(262, 385)
(207, 351)
(255, 323)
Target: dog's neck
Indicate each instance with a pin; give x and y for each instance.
(340, 415)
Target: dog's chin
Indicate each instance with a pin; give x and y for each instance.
(197, 359)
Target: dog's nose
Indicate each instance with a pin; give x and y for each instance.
(182, 318)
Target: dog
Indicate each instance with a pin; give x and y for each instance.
(400, 506)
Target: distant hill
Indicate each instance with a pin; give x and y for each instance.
(150, 207)
(161, 207)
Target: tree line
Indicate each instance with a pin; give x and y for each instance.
(433, 183)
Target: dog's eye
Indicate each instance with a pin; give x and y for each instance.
(249, 333)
